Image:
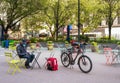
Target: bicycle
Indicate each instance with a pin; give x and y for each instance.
(83, 61)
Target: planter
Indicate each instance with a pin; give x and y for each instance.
(67, 45)
(50, 45)
(11, 42)
(93, 49)
(32, 46)
(3, 44)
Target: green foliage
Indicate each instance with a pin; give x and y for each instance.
(84, 38)
(94, 43)
(49, 42)
(50, 39)
(11, 42)
(45, 39)
(66, 42)
(118, 43)
(33, 40)
(60, 38)
(33, 23)
(109, 11)
(89, 15)
(106, 40)
(58, 13)
(15, 10)
(95, 46)
(41, 39)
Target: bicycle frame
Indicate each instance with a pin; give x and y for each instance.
(78, 53)
(84, 62)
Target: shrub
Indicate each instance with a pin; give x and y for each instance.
(49, 42)
(118, 42)
(84, 38)
(66, 42)
(94, 47)
(94, 43)
(33, 40)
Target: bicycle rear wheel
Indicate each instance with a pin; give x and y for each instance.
(65, 59)
(85, 64)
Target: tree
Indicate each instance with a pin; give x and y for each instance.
(110, 11)
(32, 24)
(13, 11)
(89, 17)
(59, 13)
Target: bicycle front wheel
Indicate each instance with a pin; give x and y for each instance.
(85, 64)
(65, 59)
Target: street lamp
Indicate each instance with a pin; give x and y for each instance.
(78, 20)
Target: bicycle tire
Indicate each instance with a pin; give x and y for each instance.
(65, 58)
(82, 61)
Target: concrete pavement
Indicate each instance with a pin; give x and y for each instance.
(101, 73)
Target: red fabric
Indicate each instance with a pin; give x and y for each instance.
(53, 62)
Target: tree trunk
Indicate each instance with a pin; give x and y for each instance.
(110, 23)
(109, 26)
(56, 31)
(2, 34)
(57, 20)
(110, 20)
(5, 33)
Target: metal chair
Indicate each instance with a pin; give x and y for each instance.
(15, 55)
(109, 55)
(116, 52)
(13, 63)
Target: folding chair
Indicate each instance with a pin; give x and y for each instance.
(116, 52)
(109, 55)
(13, 64)
(15, 55)
(36, 60)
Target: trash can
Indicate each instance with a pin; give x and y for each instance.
(3, 44)
(6, 43)
(11, 42)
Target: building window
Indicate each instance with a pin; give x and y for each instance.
(119, 20)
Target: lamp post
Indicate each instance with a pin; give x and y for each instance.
(78, 20)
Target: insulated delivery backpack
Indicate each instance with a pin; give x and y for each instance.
(52, 64)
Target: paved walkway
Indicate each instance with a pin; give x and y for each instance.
(101, 73)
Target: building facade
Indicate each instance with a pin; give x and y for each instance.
(115, 31)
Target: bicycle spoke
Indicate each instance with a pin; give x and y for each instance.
(85, 64)
(65, 59)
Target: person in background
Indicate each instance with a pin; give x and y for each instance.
(22, 53)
